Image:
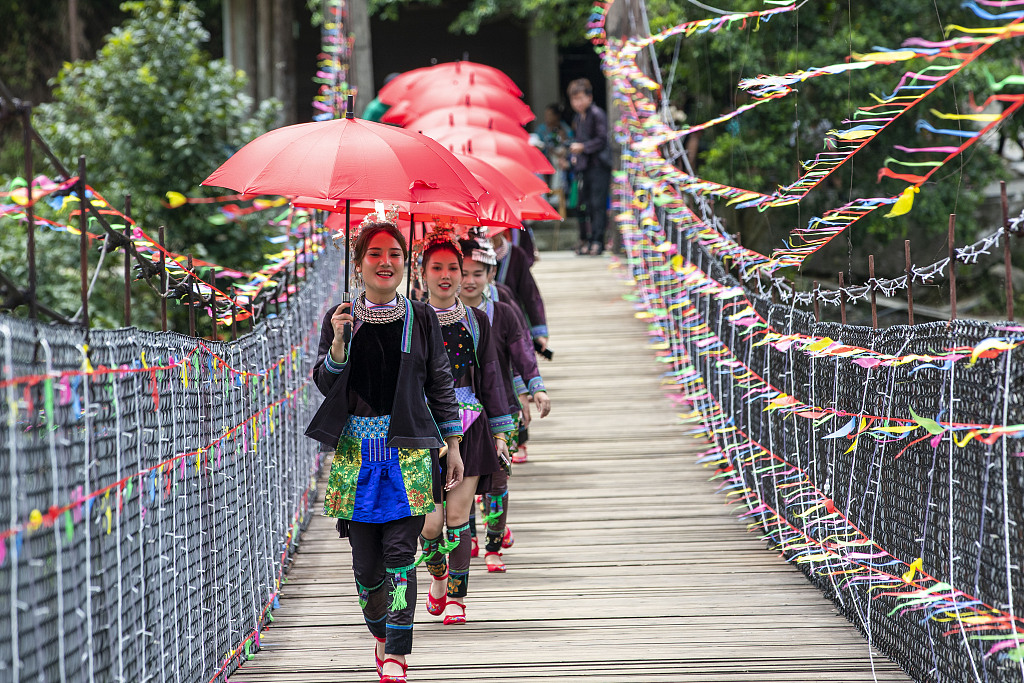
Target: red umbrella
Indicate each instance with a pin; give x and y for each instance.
(521, 177)
(491, 143)
(440, 120)
(460, 72)
(347, 159)
(536, 208)
(527, 207)
(422, 101)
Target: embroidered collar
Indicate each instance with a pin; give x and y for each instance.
(502, 251)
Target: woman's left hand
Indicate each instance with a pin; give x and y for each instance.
(543, 403)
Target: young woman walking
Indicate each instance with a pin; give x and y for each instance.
(516, 358)
(485, 418)
(378, 358)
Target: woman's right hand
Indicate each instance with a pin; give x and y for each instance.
(342, 317)
(453, 477)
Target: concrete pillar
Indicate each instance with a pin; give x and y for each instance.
(361, 72)
(543, 87)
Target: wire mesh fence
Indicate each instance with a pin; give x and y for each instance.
(152, 490)
(885, 463)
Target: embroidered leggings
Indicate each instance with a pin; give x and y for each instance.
(457, 563)
(382, 561)
(496, 510)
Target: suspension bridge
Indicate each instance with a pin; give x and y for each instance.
(627, 565)
(159, 500)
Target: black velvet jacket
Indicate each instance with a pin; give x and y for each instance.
(424, 411)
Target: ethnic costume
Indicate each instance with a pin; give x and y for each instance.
(497, 291)
(516, 358)
(514, 272)
(484, 410)
(382, 478)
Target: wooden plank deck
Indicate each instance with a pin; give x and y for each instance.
(627, 566)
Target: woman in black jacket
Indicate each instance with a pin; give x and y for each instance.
(384, 479)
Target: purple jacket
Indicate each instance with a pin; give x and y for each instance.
(515, 350)
(514, 272)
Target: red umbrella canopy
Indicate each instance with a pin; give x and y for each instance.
(536, 208)
(470, 73)
(527, 207)
(493, 179)
(521, 177)
(491, 143)
(424, 100)
(440, 120)
(491, 209)
(348, 159)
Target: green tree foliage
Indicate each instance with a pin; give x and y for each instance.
(151, 113)
(566, 18)
(763, 148)
(154, 113)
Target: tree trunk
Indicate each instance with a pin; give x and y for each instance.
(284, 61)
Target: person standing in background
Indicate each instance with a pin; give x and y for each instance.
(590, 156)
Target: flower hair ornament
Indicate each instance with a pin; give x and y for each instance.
(443, 233)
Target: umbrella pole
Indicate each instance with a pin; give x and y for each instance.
(412, 235)
(346, 297)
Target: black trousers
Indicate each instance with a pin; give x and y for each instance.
(596, 181)
(383, 556)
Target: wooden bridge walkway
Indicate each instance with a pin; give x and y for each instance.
(627, 566)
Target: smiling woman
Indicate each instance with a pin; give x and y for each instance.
(484, 414)
(385, 476)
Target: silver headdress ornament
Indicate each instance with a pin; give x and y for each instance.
(380, 214)
(483, 252)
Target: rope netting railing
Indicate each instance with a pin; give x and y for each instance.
(886, 464)
(152, 492)
(153, 485)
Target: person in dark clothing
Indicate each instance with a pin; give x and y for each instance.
(514, 271)
(390, 399)
(486, 423)
(518, 362)
(591, 161)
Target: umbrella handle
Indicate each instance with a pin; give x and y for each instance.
(346, 302)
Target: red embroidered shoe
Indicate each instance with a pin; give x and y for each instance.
(450, 619)
(508, 540)
(394, 679)
(474, 550)
(519, 457)
(435, 606)
(495, 568)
